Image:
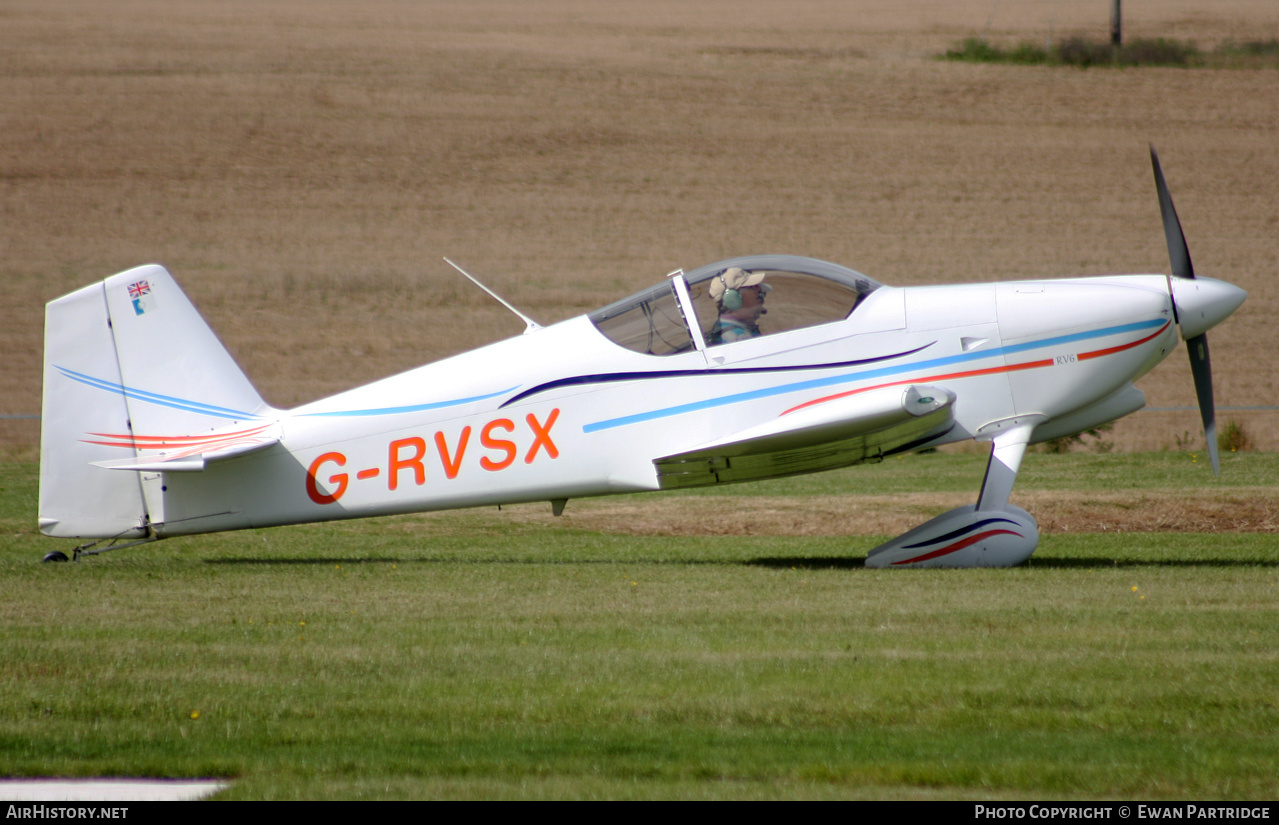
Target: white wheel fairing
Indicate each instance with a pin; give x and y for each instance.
(963, 537)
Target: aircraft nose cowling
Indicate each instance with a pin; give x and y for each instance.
(1202, 303)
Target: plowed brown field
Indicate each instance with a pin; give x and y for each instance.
(302, 167)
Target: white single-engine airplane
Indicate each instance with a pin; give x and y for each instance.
(150, 429)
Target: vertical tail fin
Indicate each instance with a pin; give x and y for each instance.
(128, 365)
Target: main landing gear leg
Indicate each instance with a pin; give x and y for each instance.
(990, 533)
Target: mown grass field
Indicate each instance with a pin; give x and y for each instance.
(508, 654)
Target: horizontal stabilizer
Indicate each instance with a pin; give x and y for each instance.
(187, 453)
(837, 433)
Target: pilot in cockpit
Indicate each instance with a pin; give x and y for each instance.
(739, 296)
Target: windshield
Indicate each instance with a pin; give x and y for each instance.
(734, 300)
(650, 322)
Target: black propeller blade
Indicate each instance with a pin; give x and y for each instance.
(1179, 256)
(1178, 253)
(1202, 371)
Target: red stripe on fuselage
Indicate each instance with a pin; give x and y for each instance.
(1097, 353)
(1029, 365)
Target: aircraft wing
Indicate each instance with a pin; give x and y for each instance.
(849, 430)
(186, 453)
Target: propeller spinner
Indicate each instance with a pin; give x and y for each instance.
(1198, 304)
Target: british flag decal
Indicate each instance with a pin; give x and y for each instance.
(137, 290)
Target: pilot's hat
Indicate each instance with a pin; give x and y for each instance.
(735, 278)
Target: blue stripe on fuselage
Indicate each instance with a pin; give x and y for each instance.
(882, 372)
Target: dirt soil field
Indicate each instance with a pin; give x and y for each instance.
(302, 167)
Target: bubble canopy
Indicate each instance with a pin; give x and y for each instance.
(785, 292)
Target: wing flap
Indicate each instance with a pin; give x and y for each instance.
(850, 430)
